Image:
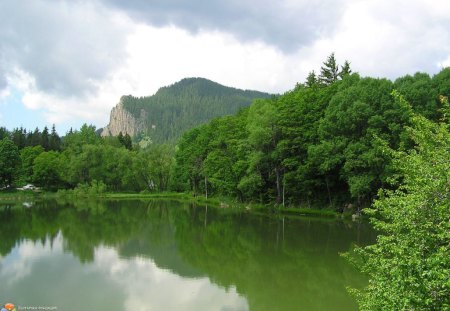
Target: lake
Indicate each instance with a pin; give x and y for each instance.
(166, 255)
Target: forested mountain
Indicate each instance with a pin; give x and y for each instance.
(174, 109)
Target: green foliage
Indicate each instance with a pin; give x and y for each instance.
(318, 144)
(153, 167)
(329, 72)
(94, 188)
(28, 155)
(409, 265)
(9, 162)
(185, 104)
(48, 170)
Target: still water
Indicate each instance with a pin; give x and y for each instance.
(165, 255)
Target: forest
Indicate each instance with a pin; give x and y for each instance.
(321, 144)
(337, 141)
(185, 104)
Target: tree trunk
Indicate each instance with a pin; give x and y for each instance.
(328, 189)
(277, 173)
(206, 187)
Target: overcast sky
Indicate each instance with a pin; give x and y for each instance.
(68, 62)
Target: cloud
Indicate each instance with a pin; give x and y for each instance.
(388, 38)
(137, 283)
(74, 59)
(65, 46)
(161, 56)
(148, 287)
(287, 24)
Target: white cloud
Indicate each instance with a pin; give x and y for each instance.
(143, 285)
(74, 60)
(19, 264)
(161, 56)
(389, 38)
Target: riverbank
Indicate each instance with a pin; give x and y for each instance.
(217, 202)
(227, 203)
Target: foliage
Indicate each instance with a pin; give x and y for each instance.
(48, 170)
(317, 145)
(28, 155)
(409, 265)
(185, 104)
(9, 162)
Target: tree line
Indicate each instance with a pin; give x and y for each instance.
(321, 143)
(84, 158)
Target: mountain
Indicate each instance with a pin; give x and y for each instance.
(176, 108)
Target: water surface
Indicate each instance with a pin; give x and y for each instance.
(164, 255)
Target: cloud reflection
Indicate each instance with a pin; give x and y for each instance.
(139, 281)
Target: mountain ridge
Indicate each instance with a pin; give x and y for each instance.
(176, 108)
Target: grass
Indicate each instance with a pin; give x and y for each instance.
(219, 202)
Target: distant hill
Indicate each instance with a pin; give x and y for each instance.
(176, 108)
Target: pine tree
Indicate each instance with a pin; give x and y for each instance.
(55, 140)
(120, 138)
(127, 141)
(329, 72)
(311, 80)
(345, 70)
(45, 142)
(19, 138)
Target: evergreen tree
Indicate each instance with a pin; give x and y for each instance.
(120, 138)
(311, 80)
(127, 142)
(4, 133)
(54, 140)
(329, 72)
(9, 162)
(34, 138)
(45, 141)
(345, 70)
(19, 137)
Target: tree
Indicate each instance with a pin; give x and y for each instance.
(19, 137)
(154, 167)
(45, 142)
(54, 140)
(329, 72)
(48, 170)
(34, 138)
(4, 133)
(409, 265)
(345, 70)
(311, 80)
(28, 155)
(127, 142)
(9, 162)
(263, 137)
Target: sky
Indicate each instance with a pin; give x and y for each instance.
(68, 62)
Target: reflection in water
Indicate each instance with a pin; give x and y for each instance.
(162, 255)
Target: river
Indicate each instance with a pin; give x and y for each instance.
(167, 255)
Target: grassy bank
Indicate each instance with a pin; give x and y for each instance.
(224, 202)
(15, 195)
(218, 202)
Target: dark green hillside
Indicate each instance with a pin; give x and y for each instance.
(185, 104)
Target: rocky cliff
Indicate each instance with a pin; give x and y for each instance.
(121, 120)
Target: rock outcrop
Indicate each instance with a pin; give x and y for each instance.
(121, 120)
